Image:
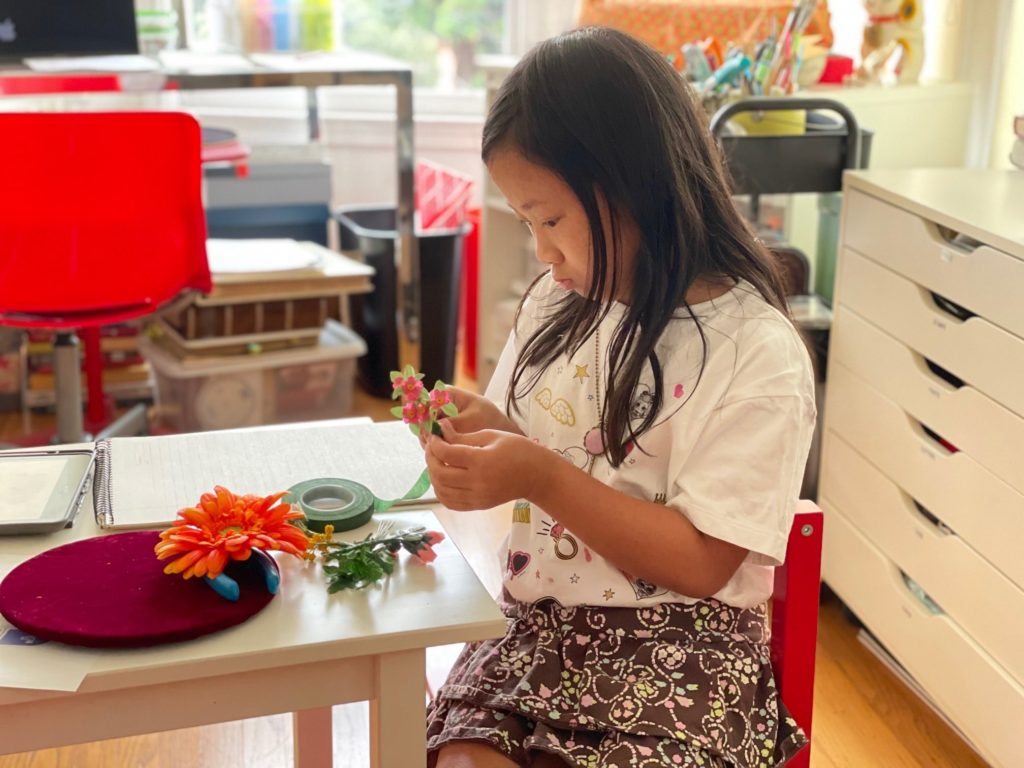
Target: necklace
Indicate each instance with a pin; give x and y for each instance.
(593, 440)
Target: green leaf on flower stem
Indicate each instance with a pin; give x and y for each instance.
(449, 409)
(415, 429)
(435, 429)
(387, 562)
(408, 371)
(397, 411)
(395, 375)
(439, 385)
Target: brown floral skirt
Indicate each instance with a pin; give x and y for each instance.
(666, 685)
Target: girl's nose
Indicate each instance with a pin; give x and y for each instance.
(546, 251)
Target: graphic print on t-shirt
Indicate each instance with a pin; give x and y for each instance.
(559, 409)
(643, 588)
(563, 551)
(517, 563)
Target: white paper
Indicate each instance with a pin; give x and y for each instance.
(205, 63)
(324, 61)
(27, 662)
(258, 256)
(153, 477)
(127, 63)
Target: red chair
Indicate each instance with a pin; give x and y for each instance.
(31, 85)
(795, 620)
(102, 221)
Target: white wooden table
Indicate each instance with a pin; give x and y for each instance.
(305, 652)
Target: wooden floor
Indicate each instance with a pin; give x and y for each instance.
(865, 717)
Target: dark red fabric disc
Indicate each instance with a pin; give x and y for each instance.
(111, 592)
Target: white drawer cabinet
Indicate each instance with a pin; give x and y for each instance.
(922, 470)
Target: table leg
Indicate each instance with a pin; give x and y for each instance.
(408, 300)
(312, 738)
(398, 723)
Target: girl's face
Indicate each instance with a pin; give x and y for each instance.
(561, 232)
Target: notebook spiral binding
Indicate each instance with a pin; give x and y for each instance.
(101, 485)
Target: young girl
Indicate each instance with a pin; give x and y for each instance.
(654, 413)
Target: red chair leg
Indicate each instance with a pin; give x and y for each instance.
(96, 412)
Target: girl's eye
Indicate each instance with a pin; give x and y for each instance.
(550, 223)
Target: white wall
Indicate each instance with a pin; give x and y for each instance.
(1011, 98)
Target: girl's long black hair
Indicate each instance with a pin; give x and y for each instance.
(611, 117)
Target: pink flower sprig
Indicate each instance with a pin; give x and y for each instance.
(420, 409)
(357, 564)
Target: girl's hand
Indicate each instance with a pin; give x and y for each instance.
(476, 413)
(483, 469)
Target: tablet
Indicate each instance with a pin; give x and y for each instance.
(42, 490)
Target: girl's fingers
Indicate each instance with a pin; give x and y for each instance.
(461, 397)
(475, 439)
(457, 501)
(447, 476)
(455, 455)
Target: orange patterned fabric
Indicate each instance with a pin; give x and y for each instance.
(668, 24)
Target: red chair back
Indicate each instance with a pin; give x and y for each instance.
(101, 216)
(795, 620)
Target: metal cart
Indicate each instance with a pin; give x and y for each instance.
(812, 161)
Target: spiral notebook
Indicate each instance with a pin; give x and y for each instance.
(141, 482)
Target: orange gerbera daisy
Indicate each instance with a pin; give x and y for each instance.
(227, 527)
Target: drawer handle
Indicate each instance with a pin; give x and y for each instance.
(942, 373)
(920, 595)
(957, 240)
(935, 436)
(951, 307)
(931, 519)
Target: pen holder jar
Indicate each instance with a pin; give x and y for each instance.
(783, 122)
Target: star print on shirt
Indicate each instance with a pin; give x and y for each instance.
(581, 373)
(609, 594)
(574, 578)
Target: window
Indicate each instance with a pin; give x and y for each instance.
(440, 39)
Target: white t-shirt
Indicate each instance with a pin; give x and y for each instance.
(727, 452)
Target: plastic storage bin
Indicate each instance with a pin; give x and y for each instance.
(372, 231)
(274, 199)
(196, 394)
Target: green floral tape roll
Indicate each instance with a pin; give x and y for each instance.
(345, 504)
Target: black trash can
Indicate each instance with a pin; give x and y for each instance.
(373, 232)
